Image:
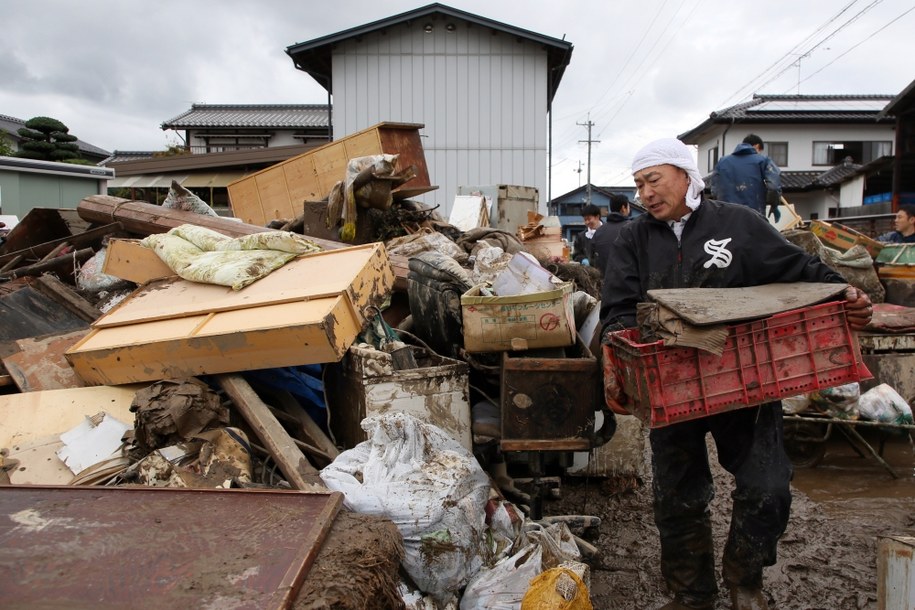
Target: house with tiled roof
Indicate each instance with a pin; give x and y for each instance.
(207, 128)
(222, 142)
(568, 206)
(10, 126)
(832, 149)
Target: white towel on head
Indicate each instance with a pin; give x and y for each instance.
(671, 151)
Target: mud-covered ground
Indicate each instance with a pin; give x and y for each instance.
(827, 557)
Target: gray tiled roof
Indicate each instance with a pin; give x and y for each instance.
(764, 108)
(263, 116)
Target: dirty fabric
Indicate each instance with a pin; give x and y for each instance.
(892, 319)
(494, 237)
(657, 322)
(172, 411)
(202, 255)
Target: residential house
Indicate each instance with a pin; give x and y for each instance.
(902, 107)
(568, 206)
(482, 88)
(832, 149)
(223, 142)
(10, 126)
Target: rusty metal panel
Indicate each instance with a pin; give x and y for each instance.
(548, 403)
(145, 548)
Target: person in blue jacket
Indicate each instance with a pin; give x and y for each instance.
(749, 178)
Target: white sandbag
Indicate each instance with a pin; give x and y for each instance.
(430, 486)
(884, 404)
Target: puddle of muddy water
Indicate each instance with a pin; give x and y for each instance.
(845, 482)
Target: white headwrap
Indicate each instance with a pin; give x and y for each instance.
(671, 151)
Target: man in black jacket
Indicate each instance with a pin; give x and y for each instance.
(685, 241)
(582, 250)
(606, 233)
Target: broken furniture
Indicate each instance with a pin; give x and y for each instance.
(549, 399)
(279, 191)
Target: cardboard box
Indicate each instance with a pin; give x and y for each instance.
(308, 311)
(498, 324)
(843, 238)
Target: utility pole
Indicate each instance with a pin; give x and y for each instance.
(578, 171)
(589, 125)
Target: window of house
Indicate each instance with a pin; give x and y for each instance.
(712, 158)
(778, 152)
(833, 153)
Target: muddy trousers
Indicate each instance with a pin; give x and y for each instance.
(750, 446)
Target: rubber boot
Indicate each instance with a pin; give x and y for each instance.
(744, 598)
(678, 604)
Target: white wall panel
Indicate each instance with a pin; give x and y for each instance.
(481, 97)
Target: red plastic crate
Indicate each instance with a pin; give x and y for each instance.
(787, 354)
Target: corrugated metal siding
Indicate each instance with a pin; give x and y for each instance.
(481, 95)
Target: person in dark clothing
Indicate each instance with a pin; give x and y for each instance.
(582, 251)
(749, 178)
(905, 227)
(607, 232)
(686, 241)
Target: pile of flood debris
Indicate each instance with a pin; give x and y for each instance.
(235, 366)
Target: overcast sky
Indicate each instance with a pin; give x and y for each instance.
(113, 71)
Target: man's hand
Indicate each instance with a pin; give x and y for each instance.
(775, 213)
(613, 386)
(858, 308)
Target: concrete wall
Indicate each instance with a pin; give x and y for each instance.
(480, 94)
(27, 184)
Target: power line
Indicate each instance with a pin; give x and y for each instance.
(891, 22)
(792, 51)
(820, 42)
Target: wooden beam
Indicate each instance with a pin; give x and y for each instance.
(292, 463)
(62, 293)
(50, 265)
(77, 241)
(310, 429)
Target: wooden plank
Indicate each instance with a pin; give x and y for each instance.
(55, 264)
(29, 416)
(29, 313)
(40, 363)
(282, 448)
(134, 262)
(64, 294)
(313, 433)
(81, 239)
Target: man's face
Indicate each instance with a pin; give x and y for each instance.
(905, 224)
(662, 189)
(592, 222)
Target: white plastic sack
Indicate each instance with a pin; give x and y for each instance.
(430, 486)
(503, 587)
(884, 404)
(91, 277)
(840, 401)
(795, 404)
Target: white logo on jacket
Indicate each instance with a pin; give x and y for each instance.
(721, 256)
